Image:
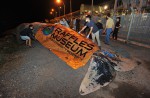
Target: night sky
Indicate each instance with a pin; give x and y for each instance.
(14, 12)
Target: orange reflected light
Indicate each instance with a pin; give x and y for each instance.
(52, 10)
(58, 1)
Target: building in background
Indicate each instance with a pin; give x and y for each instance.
(121, 7)
(99, 8)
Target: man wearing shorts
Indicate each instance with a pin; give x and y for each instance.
(25, 35)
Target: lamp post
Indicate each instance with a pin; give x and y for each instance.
(92, 7)
(70, 6)
(115, 6)
(56, 14)
(52, 12)
(59, 1)
(64, 8)
(59, 10)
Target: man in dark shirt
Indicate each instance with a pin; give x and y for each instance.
(26, 35)
(78, 24)
(93, 30)
(100, 26)
(117, 26)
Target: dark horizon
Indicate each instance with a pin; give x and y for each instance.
(16, 12)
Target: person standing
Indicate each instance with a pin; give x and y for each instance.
(74, 24)
(100, 26)
(95, 17)
(61, 22)
(117, 26)
(78, 24)
(93, 30)
(109, 28)
(64, 22)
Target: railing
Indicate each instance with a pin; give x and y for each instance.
(134, 27)
(68, 16)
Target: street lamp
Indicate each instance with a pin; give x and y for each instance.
(70, 6)
(59, 1)
(51, 13)
(92, 7)
(52, 10)
(105, 7)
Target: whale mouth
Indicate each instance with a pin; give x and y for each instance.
(81, 92)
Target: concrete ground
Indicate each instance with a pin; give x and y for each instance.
(38, 73)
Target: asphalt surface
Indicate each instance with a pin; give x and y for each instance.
(38, 73)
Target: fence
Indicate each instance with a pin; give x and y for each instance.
(134, 27)
(68, 16)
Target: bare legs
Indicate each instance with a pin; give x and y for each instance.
(28, 42)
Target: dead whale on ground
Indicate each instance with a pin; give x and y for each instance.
(100, 73)
(122, 64)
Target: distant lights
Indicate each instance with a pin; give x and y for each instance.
(52, 10)
(105, 7)
(51, 13)
(58, 1)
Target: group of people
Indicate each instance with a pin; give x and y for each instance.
(95, 29)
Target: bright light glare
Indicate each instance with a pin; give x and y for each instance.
(58, 1)
(52, 10)
(105, 7)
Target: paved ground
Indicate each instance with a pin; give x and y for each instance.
(38, 73)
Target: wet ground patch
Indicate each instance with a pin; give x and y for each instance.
(3, 92)
(9, 48)
(147, 64)
(121, 51)
(126, 90)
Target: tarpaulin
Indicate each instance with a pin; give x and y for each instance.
(67, 44)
